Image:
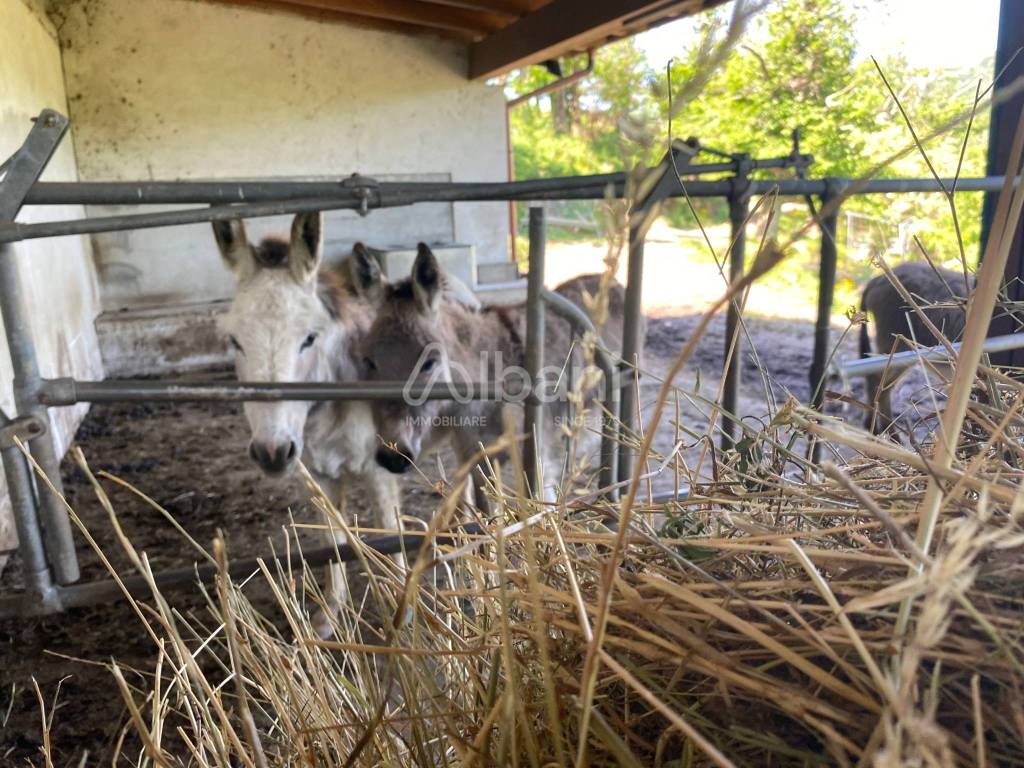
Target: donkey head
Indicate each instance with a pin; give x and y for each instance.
(280, 328)
(410, 341)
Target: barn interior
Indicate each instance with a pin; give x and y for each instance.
(275, 90)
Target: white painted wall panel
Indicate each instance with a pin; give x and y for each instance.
(57, 275)
(167, 89)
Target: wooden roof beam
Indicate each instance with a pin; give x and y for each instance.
(417, 13)
(565, 25)
(306, 10)
(510, 9)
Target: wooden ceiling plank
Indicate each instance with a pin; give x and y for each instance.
(415, 12)
(566, 25)
(303, 10)
(510, 9)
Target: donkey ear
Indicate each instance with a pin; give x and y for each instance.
(234, 247)
(306, 249)
(426, 279)
(366, 276)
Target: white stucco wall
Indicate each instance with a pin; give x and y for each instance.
(56, 274)
(178, 89)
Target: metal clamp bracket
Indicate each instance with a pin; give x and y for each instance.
(24, 428)
(365, 186)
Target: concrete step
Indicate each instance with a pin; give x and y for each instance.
(176, 339)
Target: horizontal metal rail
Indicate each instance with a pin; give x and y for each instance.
(386, 195)
(241, 191)
(90, 593)
(876, 364)
(106, 590)
(67, 391)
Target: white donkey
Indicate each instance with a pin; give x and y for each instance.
(291, 320)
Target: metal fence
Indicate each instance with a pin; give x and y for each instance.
(46, 546)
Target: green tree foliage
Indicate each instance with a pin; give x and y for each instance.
(584, 128)
(797, 67)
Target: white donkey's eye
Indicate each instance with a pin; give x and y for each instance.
(308, 342)
(235, 344)
(428, 364)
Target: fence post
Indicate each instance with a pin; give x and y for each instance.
(828, 222)
(739, 210)
(534, 447)
(631, 341)
(35, 571)
(660, 184)
(24, 168)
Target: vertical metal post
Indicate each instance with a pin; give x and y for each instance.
(666, 180)
(35, 571)
(23, 169)
(610, 432)
(739, 210)
(534, 448)
(631, 341)
(1005, 117)
(60, 546)
(826, 288)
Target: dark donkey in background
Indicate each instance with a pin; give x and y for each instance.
(940, 293)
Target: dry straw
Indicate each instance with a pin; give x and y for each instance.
(769, 637)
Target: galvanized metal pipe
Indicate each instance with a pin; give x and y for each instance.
(826, 289)
(70, 391)
(739, 211)
(542, 189)
(35, 571)
(22, 171)
(632, 344)
(60, 545)
(533, 451)
(900, 361)
(243, 191)
(610, 385)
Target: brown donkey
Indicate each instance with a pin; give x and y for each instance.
(418, 336)
(940, 293)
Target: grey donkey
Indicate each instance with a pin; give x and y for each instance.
(420, 336)
(940, 293)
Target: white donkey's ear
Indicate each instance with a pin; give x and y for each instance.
(367, 279)
(426, 279)
(307, 243)
(234, 247)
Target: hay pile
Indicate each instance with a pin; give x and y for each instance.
(769, 635)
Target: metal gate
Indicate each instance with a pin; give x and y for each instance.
(46, 545)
